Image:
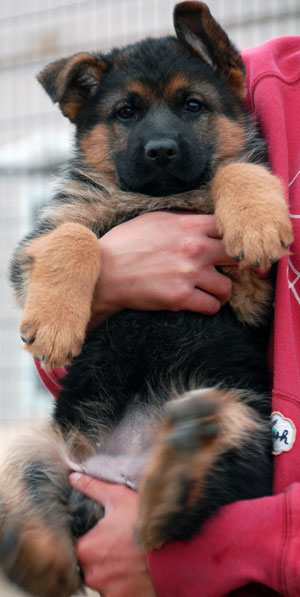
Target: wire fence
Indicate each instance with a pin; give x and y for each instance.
(35, 140)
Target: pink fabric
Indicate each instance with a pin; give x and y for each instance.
(249, 541)
(241, 545)
(256, 540)
(274, 83)
(51, 378)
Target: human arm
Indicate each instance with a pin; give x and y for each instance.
(158, 260)
(248, 541)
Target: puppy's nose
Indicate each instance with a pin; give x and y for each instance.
(161, 151)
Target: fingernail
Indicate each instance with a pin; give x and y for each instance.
(75, 476)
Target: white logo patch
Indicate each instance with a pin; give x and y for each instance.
(283, 432)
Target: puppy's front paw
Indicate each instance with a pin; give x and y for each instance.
(184, 452)
(65, 266)
(53, 333)
(251, 214)
(258, 239)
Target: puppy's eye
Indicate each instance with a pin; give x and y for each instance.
(193, 105)
(125, 113)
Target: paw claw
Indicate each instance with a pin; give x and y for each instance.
(239, 257)
(272, 259)
(28, 340)
(256, 263)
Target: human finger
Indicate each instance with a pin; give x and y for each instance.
(200, 301)
(217, 253)
(217, 284)
(91, 487)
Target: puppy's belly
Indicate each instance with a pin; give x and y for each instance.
(123, 454)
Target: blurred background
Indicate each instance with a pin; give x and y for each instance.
(35, 140)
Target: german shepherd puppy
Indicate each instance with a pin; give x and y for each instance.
(160, 125)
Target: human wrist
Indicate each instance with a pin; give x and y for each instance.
(104, 302)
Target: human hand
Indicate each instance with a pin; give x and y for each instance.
(111, 561)
(162, 260)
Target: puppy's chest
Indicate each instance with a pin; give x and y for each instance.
(101, 208)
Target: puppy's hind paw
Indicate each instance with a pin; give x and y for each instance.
(186, 447)
(39, 563)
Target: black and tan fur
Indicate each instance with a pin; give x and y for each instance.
(160, 125)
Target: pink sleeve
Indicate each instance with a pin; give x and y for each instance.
(51, 377)
(253, 541)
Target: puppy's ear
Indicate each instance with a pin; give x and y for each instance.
(195, 26)
(72, 81)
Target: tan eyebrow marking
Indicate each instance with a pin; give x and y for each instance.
(177, 82)
(141, 89)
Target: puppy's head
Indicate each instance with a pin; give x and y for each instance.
(159, 114)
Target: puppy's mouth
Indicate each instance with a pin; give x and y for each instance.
(164, 185)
